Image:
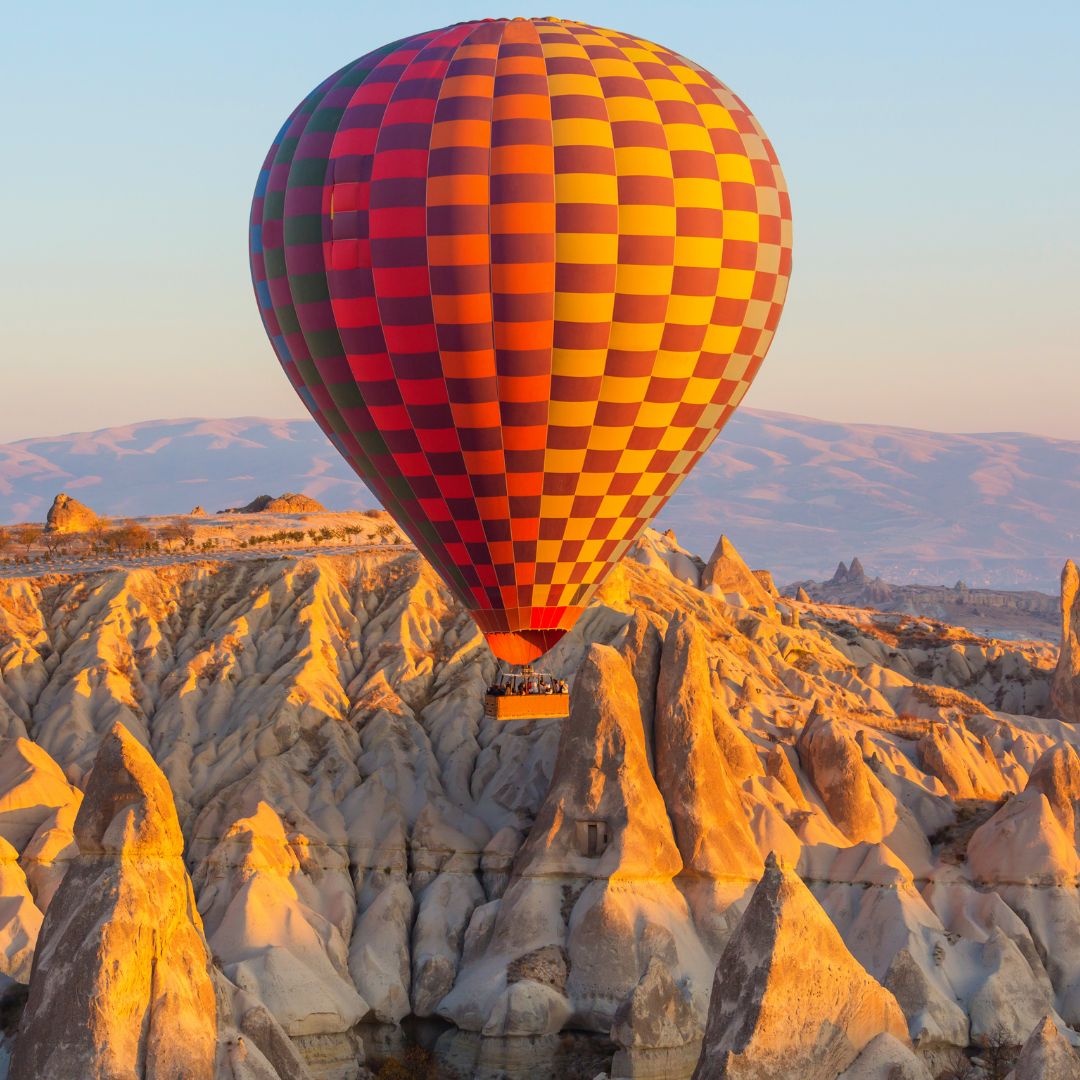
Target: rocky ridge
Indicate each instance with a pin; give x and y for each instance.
(364, 844)
(289, 503)
(1003, 612)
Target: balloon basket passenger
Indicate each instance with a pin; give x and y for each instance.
(525, 694)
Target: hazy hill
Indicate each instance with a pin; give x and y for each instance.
(797, 494)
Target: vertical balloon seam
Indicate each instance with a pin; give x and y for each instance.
(530, 593)
(466, 37)
(293, 271)
(280, 340)
(439, 557)
(509, 61)
(782, 243)
(476, 30)
(491, 290)
(658, 496)
(576, 31)
(758, 352)
(278, 285)
(666, 480)
(500, 377)
(257, 262)
(361, 461)
(430, 546)
(551, 600)
(257, 257)
(434, 44)
(633, 530)
(317, 384)
(373, 476)
(580, 553)
(544, 600)
(629, 529)
(491, 262)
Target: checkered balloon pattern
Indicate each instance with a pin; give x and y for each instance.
(521, 272)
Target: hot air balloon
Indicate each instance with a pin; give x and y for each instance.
(521, 272)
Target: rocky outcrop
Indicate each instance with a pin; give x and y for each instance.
(1046, 1055)
(289, 503)
(862, 807)
(1033, 838)
(789, 999)
(992, 611)
(719, 854)
(125, 907)
(655, 1028)
(20, 920)
(32, 788)
(1065, 690)
(967, 768)
(699, 789)
(266, 922)
(593, 877)
(641, 645)
(886, 1058)
(727, 575)
(68, 515)
(361, 836)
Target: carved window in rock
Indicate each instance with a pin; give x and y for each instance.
(592, 838)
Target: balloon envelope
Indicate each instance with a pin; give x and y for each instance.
(521, 272)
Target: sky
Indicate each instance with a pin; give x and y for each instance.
(931, 151)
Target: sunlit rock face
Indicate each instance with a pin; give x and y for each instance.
(789, 998)
(727, 575)
(68, 515)
(1065, 693)
(1046, 1055)
(364, 845)
(121, 985)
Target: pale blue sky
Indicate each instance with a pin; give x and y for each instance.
(931, 150)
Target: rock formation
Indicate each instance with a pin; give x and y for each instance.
(719, 855)
(1065, 692)
(789, 999)
(289, 503)
(68, 515)
(641, 645)
(655, 1027)
(1046, 1055)
(993, 611)
(364, 841)
(120, 984)
(592, 877)
(886, 1058)
(727, 575)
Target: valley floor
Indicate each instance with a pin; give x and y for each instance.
(365, 847)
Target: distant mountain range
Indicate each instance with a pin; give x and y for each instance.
(795, 494)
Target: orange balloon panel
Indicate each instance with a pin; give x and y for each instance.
(521, 272)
